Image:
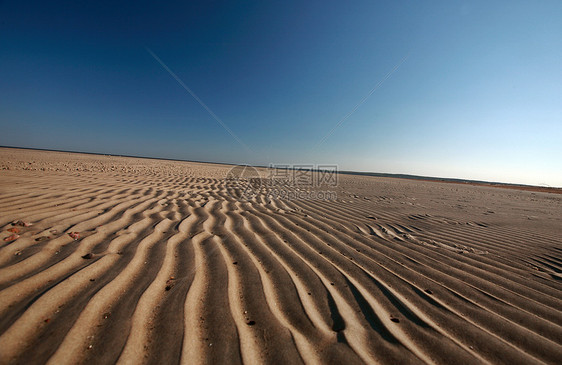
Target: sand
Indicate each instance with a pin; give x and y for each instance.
(127, 260)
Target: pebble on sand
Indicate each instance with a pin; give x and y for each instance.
(170, 283)
(12, 237)
(21, 224)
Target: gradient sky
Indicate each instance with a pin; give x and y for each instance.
(477, 91)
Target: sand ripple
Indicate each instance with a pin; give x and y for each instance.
(169, 268)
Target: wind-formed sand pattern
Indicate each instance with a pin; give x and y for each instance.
(167, 267)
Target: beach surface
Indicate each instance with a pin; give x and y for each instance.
(108, 259)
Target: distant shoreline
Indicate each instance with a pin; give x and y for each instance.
(526, 187)
(536, 188)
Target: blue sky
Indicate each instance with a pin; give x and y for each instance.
(477, 94)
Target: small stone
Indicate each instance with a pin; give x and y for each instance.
(251, 323)
(13, 230)
(170, 283)
(22, 224)
(12, 237)
(75, 235)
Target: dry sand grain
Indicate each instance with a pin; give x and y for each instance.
(148, 261)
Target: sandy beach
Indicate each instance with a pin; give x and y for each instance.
(124, 260)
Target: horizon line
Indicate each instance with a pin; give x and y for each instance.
(553, 189)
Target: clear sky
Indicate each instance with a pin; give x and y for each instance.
(476, 90)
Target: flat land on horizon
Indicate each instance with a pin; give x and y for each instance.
(114, 259)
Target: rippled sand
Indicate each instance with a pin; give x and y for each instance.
(114, 259)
